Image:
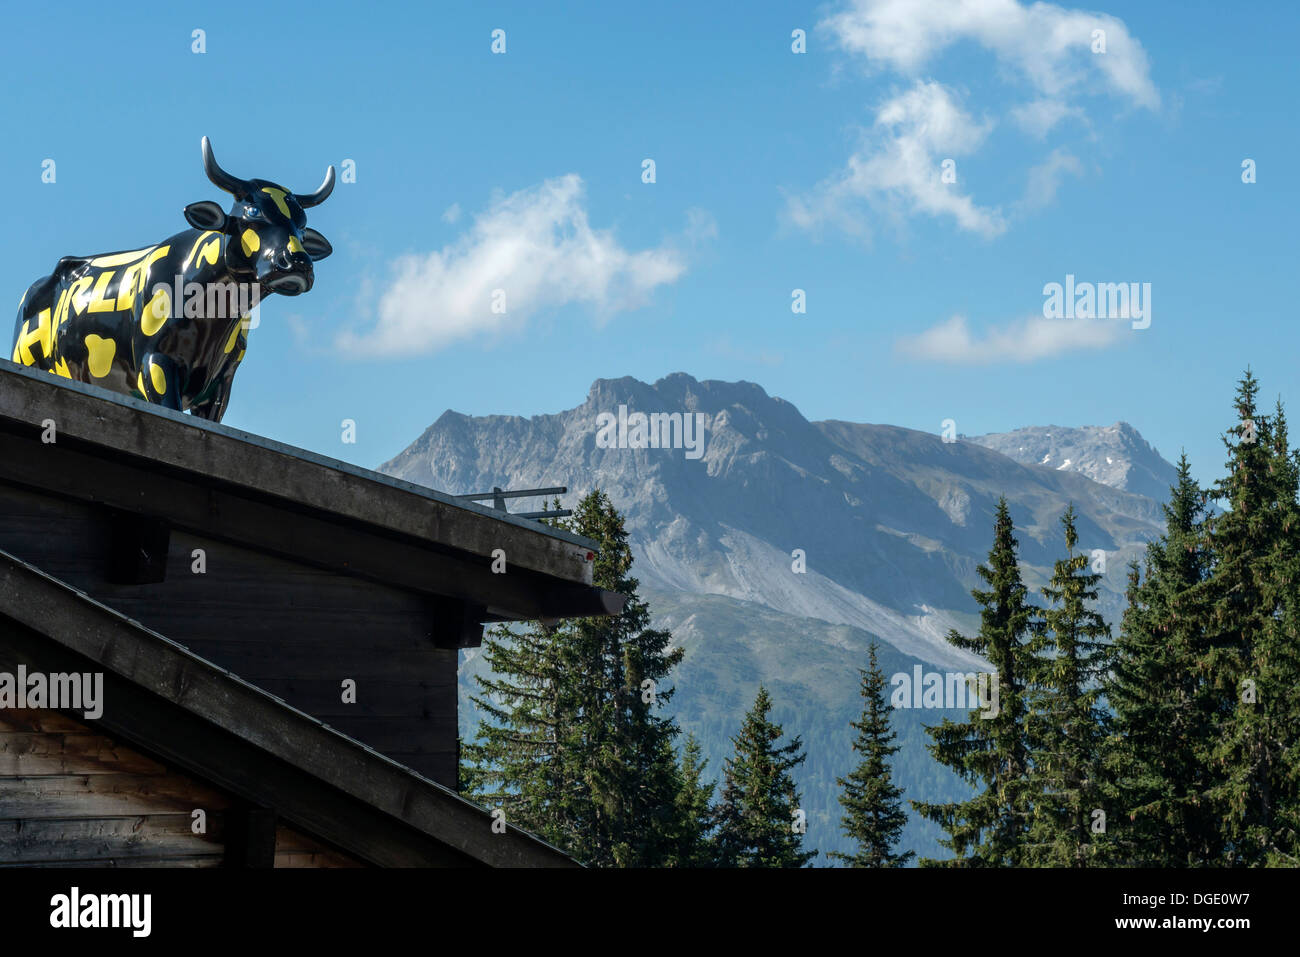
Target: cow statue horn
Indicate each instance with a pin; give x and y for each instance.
(231, 184)
(308, 200)
(168, 323)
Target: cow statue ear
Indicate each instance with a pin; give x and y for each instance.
(206, 215)
(316, 245)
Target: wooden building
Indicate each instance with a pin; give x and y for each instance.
(277, 632)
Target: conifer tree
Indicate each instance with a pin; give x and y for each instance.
(515, 763)
(1282, 665)
(623, 749)
(1067, 724)
(695, 812)
(573, 745)
(1253, 644)
(873, 815)
(1164, 720)
(990, 751)
(758, 824)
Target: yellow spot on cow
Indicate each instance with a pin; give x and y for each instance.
(157, 377)
(209, 252)
(278, 195)
(122, 259)
(242, 326)
(97, 301)
(250, 242)
(240, 357)
(230, 342)
(295, 246)
(101, 353)
(139, 383)
(156, 312)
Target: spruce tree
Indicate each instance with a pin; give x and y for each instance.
(573, 744)
(1164, 711)
(873, 816)
(1067, 724)
(622, 750)
(516, 763)
(757, 819)
(990, 752)
(1282, 656)
(695, 812)
(1253, 643)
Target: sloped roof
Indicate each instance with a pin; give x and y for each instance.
(247, 489)
(162, 697)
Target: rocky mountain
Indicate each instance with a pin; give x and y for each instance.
(776, 548)
(1114, 455)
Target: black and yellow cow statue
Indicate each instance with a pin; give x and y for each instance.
(170, 323)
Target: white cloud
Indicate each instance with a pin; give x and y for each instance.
(1045, 48)
(1025, 340)
(900, 169)
(451, 213)
(1049, 45)
(1040, 117)
(1045, 179)
(536, 246)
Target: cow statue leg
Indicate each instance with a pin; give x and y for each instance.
(214, 408)
(160, 381)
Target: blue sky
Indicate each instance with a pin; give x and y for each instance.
(774, 171)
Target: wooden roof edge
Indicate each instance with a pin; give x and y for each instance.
(123, 425)
(120, 645)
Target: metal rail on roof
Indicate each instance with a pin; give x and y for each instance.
(499, 496)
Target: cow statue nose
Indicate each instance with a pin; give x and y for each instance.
(284, 259)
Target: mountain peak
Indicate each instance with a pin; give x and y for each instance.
(735, 483)
(1116, 455)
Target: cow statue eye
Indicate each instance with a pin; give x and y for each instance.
(254, 212)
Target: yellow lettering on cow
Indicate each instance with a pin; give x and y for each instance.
(61, 311)
(126, 288)
(156, 312)
(121, 259)
(78, 295)
(147, 266)
(100, 353)
(30, 335)
(157, 377)
(61, 368)
(278, 195)
(250, 242)
(97, 301)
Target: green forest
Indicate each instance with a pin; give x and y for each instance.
(1168, 743)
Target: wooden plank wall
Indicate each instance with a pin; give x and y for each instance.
(70, 796)
(291, 629)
